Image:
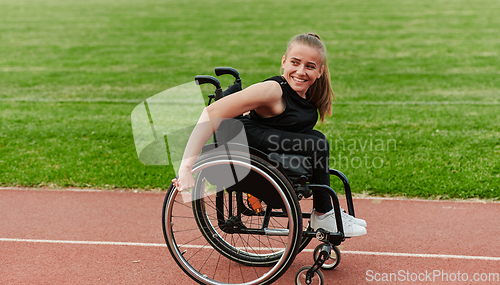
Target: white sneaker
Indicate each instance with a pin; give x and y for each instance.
(328, 223)
(359, 222)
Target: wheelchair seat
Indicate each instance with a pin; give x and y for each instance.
(293, 164)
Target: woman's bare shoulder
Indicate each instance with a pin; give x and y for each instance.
(266, 91)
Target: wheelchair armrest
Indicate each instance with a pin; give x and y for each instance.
(347, 189)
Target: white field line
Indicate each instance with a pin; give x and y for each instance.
(73, 100)
(374, 253)
(419, 103)
(105, 100)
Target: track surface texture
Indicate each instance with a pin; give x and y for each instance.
(107, 237)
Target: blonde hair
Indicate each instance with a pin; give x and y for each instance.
(320, 92)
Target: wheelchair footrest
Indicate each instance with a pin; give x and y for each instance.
(333, 238)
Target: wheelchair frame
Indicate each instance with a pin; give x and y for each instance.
(296, 183)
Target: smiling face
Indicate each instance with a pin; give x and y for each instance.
(302, 65)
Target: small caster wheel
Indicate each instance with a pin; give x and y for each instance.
(332, 261)
(301, 277)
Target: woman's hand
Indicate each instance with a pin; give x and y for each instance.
(185, 180)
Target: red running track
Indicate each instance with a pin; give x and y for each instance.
(97, 237)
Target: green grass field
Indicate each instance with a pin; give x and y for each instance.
(417, 85)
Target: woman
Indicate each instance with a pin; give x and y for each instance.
(283, 112)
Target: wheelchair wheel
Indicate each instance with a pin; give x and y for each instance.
(215, 232)
(301, 277)
(332, 261)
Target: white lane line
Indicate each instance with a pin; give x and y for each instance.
(424, 255)
(84, 242)
(391, 254)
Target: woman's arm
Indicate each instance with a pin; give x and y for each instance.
(266, 96)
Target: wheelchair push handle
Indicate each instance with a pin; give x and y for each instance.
(236, 86)
(227, 70)
(203, 79)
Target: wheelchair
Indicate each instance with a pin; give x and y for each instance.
(242, 222)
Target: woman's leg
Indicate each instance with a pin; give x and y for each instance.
(313, 145)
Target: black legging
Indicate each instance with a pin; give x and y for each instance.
(312, 144)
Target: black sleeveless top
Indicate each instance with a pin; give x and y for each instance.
(300, 114)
